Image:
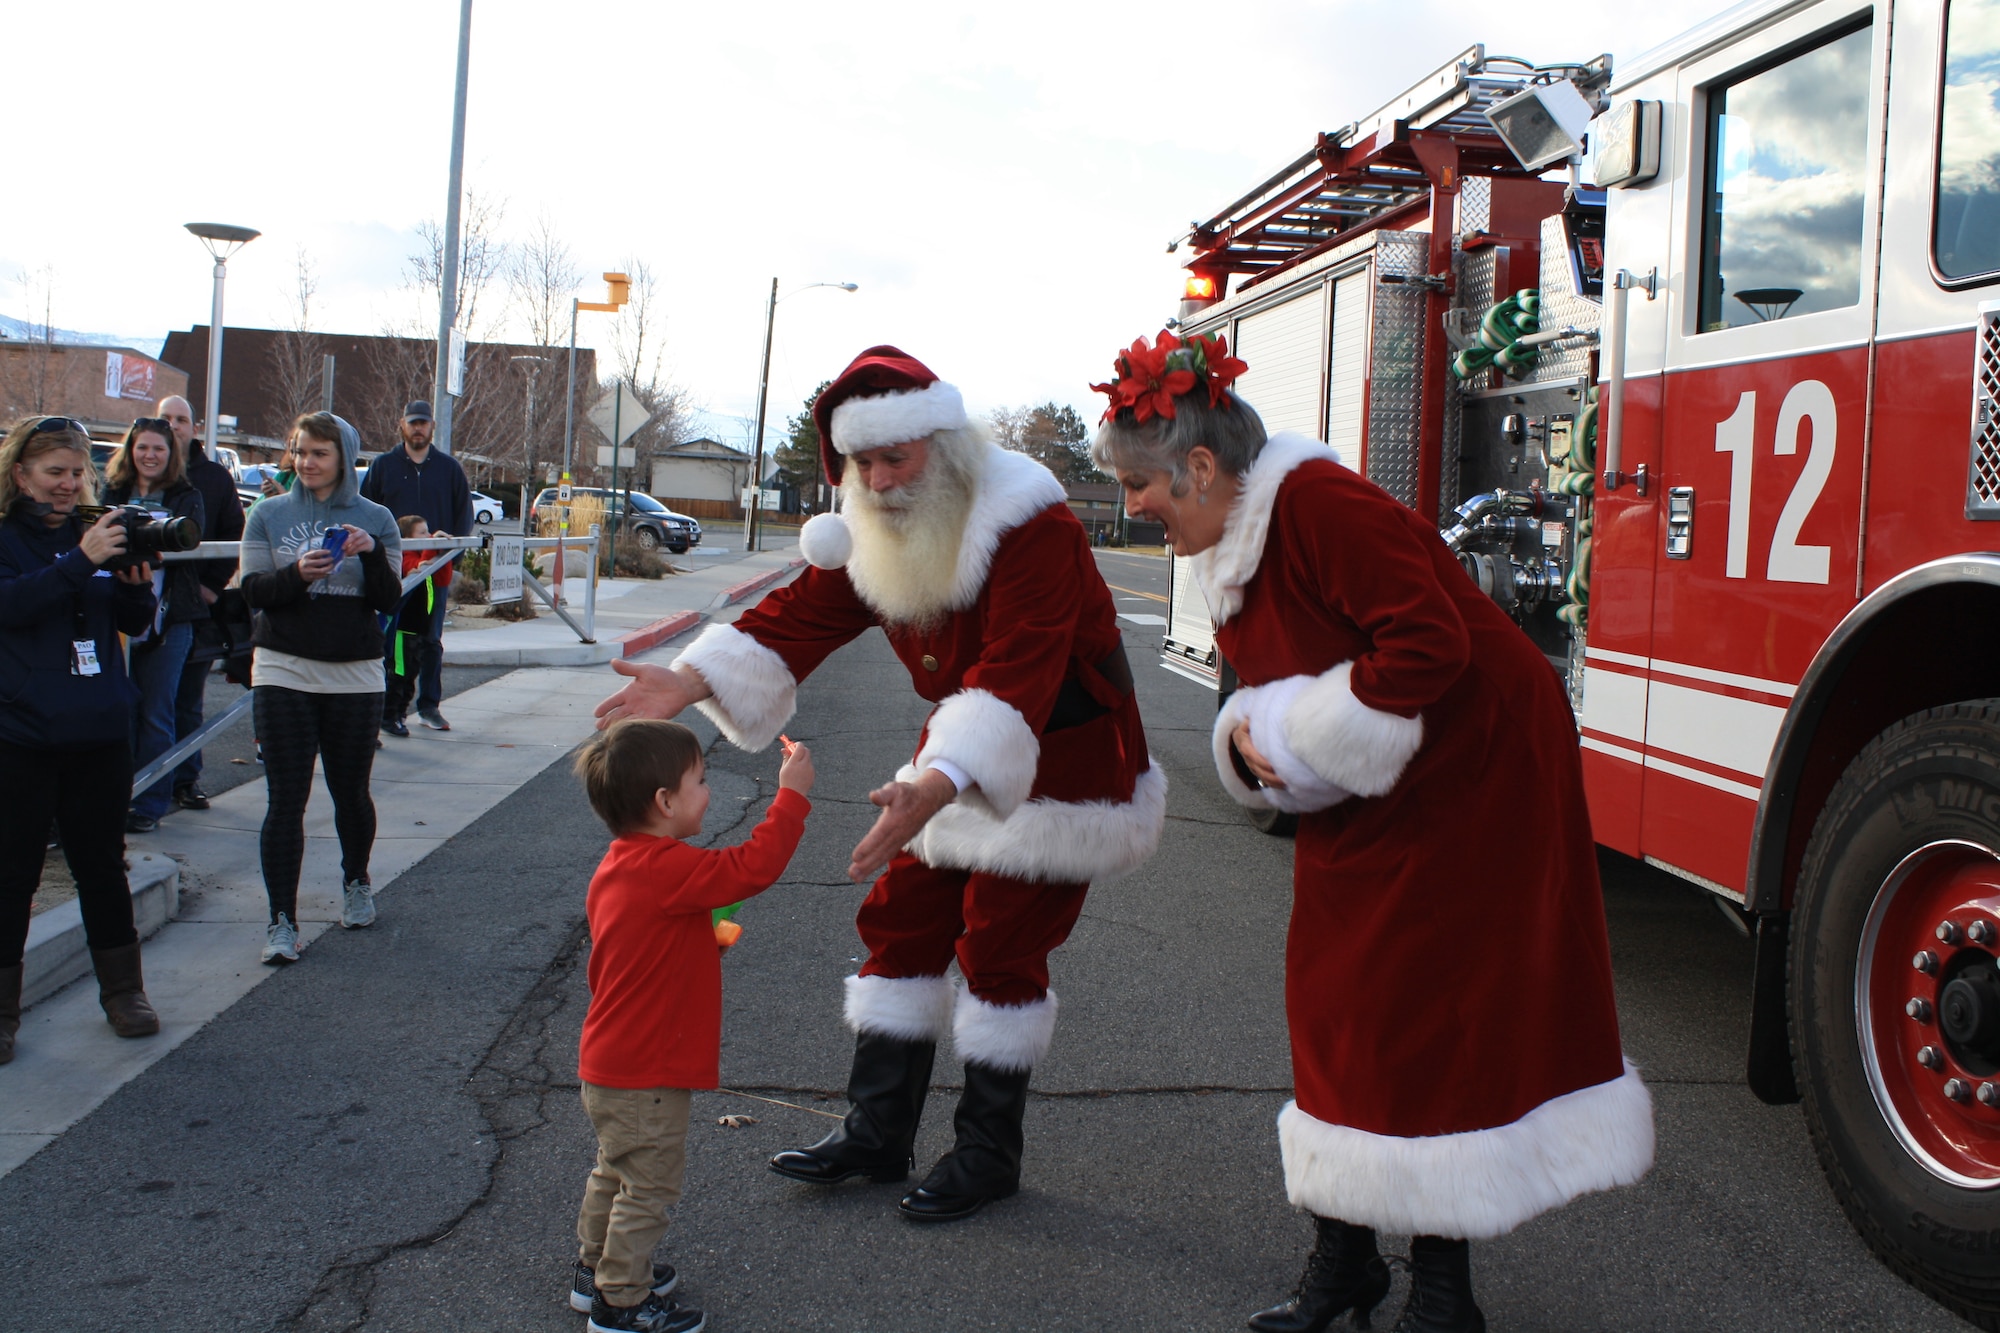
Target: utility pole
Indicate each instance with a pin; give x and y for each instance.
(441, 398)
(757, 440)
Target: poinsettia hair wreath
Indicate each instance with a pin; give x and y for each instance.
(1150, 378)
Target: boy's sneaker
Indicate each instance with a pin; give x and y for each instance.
(281, 941)
(583, 1286)
(395, 726)
(357, 904)
(655, 1314)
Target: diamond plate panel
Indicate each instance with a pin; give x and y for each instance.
(1563, 305)
(1982, 474)
(1475, 204)
(1396, 362)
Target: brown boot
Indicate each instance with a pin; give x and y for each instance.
(121, 989)
(10, 1009)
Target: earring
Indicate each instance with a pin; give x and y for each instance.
(1201, 496)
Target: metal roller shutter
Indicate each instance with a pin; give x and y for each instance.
(1347, 377)
(1283, 348)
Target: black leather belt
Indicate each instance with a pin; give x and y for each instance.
(1075, 705)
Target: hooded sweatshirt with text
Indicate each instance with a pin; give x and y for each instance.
(332, 619)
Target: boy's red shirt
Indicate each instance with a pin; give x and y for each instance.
(655, 1017)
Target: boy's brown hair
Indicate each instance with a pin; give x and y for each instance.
(407, 525)
(623, 765)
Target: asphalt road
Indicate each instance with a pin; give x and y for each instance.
(388, 1136)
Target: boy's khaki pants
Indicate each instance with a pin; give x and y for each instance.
(641, 1159)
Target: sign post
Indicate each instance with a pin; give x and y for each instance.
(625, 406)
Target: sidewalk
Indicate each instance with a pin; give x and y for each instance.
(210, 915)
(632, 614)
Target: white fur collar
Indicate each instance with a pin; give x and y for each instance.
(1013, 488)
(1225, 568)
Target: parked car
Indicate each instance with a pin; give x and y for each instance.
(652, 525)
(486, 509)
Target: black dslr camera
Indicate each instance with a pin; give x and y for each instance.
(146, 537)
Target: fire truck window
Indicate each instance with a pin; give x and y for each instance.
(1787, 167)
(1968, 185)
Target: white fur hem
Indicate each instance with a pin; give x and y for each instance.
(896, 418)
(977, 731)
(755, 694)
(1264, 707)
(1224, 568)
(1061, 842)
(909, 1008)
(1345, 741)
(1011, 1038)
(1475, 1185)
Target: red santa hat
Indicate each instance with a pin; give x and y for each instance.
(885, 396)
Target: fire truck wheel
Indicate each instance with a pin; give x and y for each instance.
(1895, 1000)
(1277, 823)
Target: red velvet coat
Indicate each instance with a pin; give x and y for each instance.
(1448, 977)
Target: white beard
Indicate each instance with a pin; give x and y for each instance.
(907, 541)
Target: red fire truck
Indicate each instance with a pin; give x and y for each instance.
(1719, 429)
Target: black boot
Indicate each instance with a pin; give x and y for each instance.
(885, 1095)
(1344, 1272)
(1440, 1289)
(985, 1162)
(10, 1009)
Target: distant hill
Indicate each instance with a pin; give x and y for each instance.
(149, 343)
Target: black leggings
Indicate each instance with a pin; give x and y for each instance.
(84, 793)
(294, 726)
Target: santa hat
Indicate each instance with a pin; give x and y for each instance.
(885, 396)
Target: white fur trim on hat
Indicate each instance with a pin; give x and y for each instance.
(909, 1008)
(1345, 741)
(755, 694)
(977, 731)
(1264, 707)
(826, 541)
(1475, 1185)
(896, 418)
(1059, 842)
(1011, 1038)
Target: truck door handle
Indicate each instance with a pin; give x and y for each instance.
(1680, 523)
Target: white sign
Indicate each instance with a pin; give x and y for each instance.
(762, 499)
(627, 457)
(562, 493)
(621, 412)
(454, 383)
(504, 581)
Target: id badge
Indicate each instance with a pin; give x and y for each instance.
(83, 658)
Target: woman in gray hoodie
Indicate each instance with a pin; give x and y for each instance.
(317, 671)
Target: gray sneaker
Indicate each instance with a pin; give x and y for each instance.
(281, 941)
(357, 904)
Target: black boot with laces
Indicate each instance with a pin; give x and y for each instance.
(1440, 1289)
(1344, 1272)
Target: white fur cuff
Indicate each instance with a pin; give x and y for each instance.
(1475, 1185)
(990, 740)
(896, 418)
(1345, 741)
(1265, 707)
(1058, 842)
(1011, 1038)
(909, 1008)
(755, 694)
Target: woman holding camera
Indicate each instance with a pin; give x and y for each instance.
(319, 568)
(149, 472)
(66, 712)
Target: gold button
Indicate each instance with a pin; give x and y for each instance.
(930, 663)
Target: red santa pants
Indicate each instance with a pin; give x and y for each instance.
(1002, 930)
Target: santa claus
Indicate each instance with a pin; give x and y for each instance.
(1030, 778)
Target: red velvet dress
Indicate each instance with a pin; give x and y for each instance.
(1448, 977)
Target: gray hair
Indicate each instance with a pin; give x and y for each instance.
(1232, 431)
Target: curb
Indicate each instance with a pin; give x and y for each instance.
(657, 633)
(555, 654)
(731, 595)
(57, 953)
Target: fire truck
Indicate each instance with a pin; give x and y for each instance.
(1696, 368)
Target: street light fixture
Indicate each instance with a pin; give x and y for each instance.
(750, 518)
(222, 241)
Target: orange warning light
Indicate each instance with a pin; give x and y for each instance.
(1200, 287)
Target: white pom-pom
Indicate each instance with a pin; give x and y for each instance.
(825, 541)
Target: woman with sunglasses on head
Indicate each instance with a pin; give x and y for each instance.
(66, 711)
(149, 472)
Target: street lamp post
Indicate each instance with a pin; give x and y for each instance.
(528, 484)
(222, 241)
(619, 285)
(750, 516)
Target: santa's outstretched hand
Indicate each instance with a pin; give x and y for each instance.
(655, 691)
(906, 808)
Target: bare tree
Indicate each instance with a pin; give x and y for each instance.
(298, 354)
(39, 380)
(638, 342)
(542, 280)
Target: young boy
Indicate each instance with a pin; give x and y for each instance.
(410, 643)
(654, 1028)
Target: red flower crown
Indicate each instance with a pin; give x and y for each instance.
(1150, 378)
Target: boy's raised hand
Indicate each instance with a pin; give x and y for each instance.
(796, 773)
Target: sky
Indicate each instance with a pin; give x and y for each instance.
(1000, 181)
